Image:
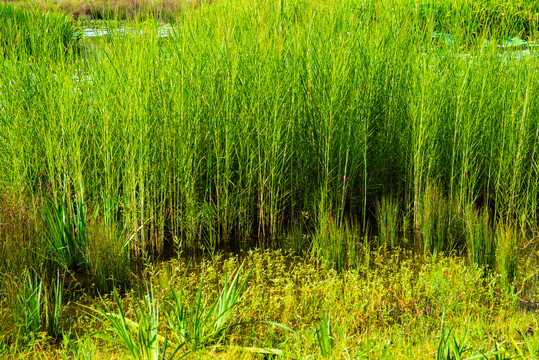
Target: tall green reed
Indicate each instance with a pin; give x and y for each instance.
(480, 239)
(508, 245)
(109, 254)
(387, 216)
(440, 224)
(32, 33)
(248, 115)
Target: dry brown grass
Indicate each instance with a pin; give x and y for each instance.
(123, 9)
(167, 10)
(19, 238)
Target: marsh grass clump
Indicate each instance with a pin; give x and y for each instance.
(324, 336)
(193, 323)
(67, 234)
(28, 302)
(139, 336)
(508, 247)
(199, 322)
(480, 238)
(32, 33)
(166, 10)
(439, 222)
(110, 264)
(387, 216)
(20, 234)
(35, 303)
(478, 17)
(450, 347)
(340, 244)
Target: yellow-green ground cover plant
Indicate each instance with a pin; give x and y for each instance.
(400, 306)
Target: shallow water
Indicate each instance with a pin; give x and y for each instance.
(514, 48)
(164, 30)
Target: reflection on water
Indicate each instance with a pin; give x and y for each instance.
(512, 48)
(163, 30)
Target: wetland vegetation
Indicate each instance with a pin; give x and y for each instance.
(269, 179)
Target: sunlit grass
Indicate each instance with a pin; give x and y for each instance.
(338, 129)
(219, 134)
(403, 305)
(30, 34)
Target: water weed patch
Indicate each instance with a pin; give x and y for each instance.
(298, 308)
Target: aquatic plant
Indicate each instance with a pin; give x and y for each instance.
(66, 234)
(198, 323)
(139, 336)
(324, 336)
